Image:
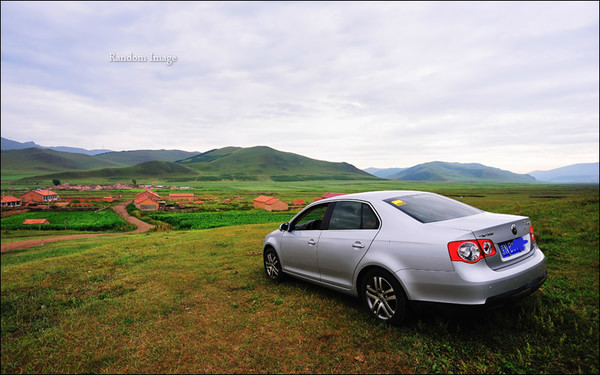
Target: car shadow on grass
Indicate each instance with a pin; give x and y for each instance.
(467, 318)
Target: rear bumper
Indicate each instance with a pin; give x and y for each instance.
(492, 303)
(516, 294)
(476, 284)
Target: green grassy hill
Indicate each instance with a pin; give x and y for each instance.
(229, 163)
(459, 172)
(260, 163)
(155, 169)
(35, 161)
(265, 163)
(211, 155)
(129, 158)
(41, 164)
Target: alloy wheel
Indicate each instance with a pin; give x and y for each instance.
(272, 265)
(381, 298)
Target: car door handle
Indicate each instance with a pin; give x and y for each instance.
(312, 242)
(358, 245)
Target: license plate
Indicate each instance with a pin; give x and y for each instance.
(515, 246)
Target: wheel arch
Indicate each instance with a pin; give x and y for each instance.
(268, 246)
(361, 275)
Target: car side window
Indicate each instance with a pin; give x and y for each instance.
(311, 219)
(353, 215)
(369, 218)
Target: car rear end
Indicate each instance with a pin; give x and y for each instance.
(500, 262)
(491, 258)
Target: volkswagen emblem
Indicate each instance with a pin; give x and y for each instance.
(513, 228)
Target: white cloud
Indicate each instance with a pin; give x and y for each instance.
(373, 84)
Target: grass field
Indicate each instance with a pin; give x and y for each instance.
(197, 301)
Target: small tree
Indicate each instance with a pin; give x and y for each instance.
(134, 181)
(56, 182)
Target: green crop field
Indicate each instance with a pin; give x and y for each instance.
(106, 220)
(206, 220)
(197, 301)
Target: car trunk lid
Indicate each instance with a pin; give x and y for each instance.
(510, 235)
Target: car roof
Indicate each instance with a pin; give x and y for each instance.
(376, 195)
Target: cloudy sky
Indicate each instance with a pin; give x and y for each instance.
(513, 85)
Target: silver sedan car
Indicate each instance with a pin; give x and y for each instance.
(390, 248)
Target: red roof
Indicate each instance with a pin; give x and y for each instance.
(46, 192)
(140, 198)
(266, 200)
(43, 193)
(263, 199)
(148, 191)
(9, 199)
(36, 221)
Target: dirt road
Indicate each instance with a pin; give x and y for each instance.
(120, 209)
(142, 226)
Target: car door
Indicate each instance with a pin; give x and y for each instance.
(299, 244)
(352, 227)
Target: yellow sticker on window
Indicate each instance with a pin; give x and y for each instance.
(398, 202)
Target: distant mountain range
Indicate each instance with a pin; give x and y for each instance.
(229, 163)
(384, 172)
(441, 171)
(254, 163)
(8, 144)
(35, 161)
(585, 173)
(458, 172)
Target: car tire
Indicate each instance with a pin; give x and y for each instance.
(383, 297)
(272, 265)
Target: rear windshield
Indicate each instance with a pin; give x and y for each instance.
(428, 208)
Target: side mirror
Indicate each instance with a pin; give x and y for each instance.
(284, 227)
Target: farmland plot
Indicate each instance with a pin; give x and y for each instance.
(106, 220)
(206, 220)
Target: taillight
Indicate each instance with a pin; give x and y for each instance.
(488, 247)
(532, 235)
(464, 251)
(471, 251)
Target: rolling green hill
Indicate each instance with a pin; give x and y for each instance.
(211, 155)
(459, 172)
(35, 161)
(155, 169)
(129, 158)
(260, 163)
(265, 163)
(229, 163)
